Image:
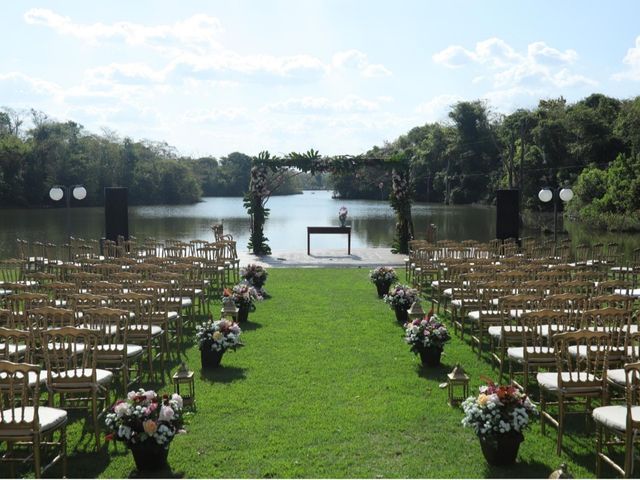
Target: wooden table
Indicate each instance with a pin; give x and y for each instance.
(338, 230)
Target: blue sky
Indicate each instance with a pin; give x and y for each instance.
(212, 77)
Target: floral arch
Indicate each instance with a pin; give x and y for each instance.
(312, 162)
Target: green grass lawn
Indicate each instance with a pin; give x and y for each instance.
(325, 387)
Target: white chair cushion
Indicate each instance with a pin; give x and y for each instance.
(48, 418)
(617, 375)
(109, 329)
(33, 378)
(186, 302)
(517, 312)
(138, 329)
(474, 315)
(435, 283)
(549, 380)
(132, 350)
(635, 292)
(544, 330)
(581, 350)
(496, 330)
(517, 353)
(13, 348)
(83, 375)
(447, 292)
(615, 416)
(78, 347)
(621, 269)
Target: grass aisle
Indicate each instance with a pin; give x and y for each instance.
(325, 387)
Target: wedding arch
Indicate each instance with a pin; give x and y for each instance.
(312, 162)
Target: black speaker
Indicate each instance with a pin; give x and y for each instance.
(507, 214)
(116, 213)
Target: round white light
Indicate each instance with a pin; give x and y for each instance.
(79, 193)
(545, 195)
(566, 194)
(56, 193)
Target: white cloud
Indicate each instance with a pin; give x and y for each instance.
(355, 59)
(508, 68)
(197, 30)
(632, 61)
(438, 107)
(194, 48)
(322, 105)
(18, 85)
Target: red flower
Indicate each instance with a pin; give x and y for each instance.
(108, 437)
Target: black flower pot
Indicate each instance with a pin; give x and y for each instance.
(402, 315)
(430, 357)
(383, 287)
(210, 358)
(243, 313)
(502, 448)
(149, 456)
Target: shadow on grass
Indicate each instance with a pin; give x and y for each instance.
(89, 464)
(165, 472)
(222, 374)
(248, 326)
(434, 373)
(518, 470)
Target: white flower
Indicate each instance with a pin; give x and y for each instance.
(166, 414)
(121, 409)
(178, 399)
(150, 394)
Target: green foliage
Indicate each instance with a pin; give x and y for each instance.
(63, 153)
(610, 198)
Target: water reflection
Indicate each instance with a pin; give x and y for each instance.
(373, 223)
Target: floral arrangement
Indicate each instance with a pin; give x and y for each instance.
(401, 296)
(145, 415)
(243, 294)
(426, 332)
(255, 274)
(383, 274)
(497, 409)
(342, 214)
(220, 335)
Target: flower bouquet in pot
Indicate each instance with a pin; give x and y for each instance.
(400, 299)
(256, 275)
(383, 277)
(216, 337)
(498, 415)
(244, 296)
(427, 337)
(146, 423)
(342, 216)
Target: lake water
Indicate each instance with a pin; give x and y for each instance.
(372, 222)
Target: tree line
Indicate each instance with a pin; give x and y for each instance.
(64, 153)
(592, 145)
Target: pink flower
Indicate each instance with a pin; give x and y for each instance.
(166, 414)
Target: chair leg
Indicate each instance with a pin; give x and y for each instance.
(543, 405)
(560, 424)
(628, 454)
(12, 465)
(599, 451)
(36, 455)
(94, 408)
(63, 448)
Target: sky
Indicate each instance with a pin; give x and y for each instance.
(214, 77)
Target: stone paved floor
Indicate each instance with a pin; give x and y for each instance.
(360, 257)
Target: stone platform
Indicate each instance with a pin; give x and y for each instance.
(360, 257)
